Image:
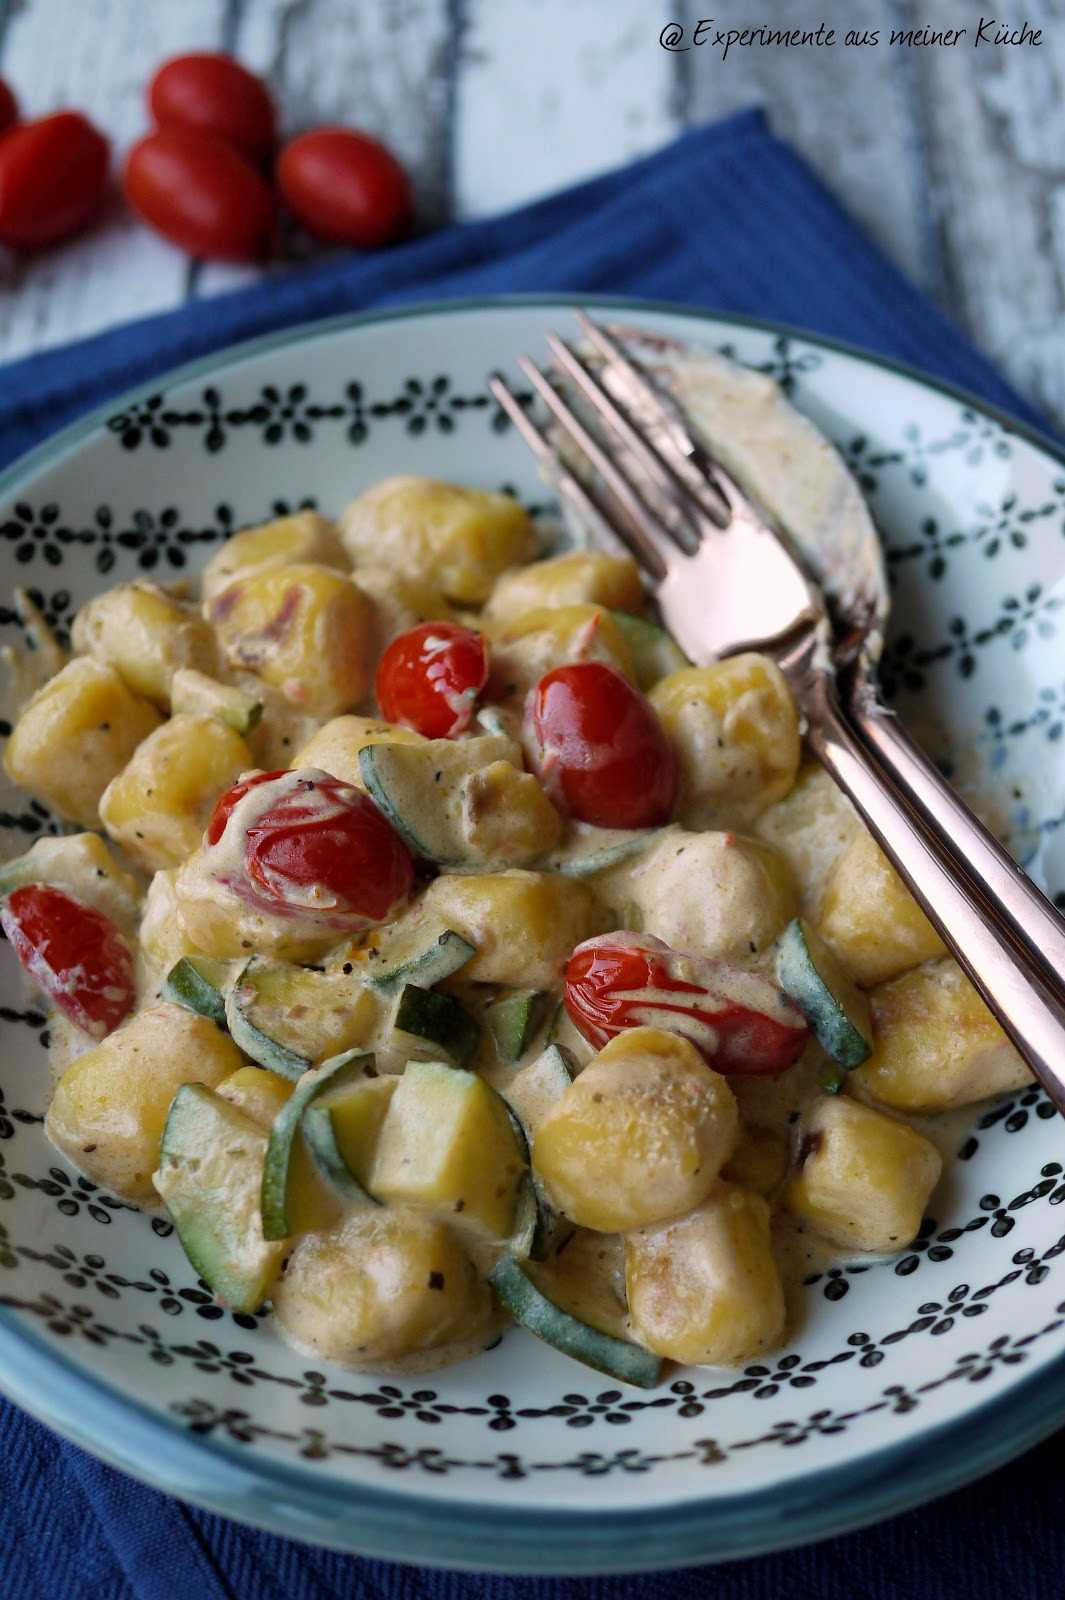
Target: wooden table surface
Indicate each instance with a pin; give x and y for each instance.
(954, 158)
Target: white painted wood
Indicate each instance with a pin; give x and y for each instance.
(848, 110)
(551, 91)
(96, 55)
(997, 166)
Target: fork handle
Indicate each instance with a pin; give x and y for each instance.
(935, 861)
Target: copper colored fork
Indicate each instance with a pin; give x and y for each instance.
(726, 579)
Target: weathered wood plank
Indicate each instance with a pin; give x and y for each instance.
(550, 91)
(994, 138)
(96, 55)
(850, 111)
(382, 66)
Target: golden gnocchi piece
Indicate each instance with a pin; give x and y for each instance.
(735, 728)
(935, 1044)
(863, 1179)
(704, 1288)
(335, 747)
(870, 919)
(809, 829)
(147, 636)
(304, 536)
(76, 734)
(506, 817)
(157, 807)
(163, 938)
(401, 601)
(640, 1135)
(523, 925)
(580, 577)
(306, 630)
(256, 1091)
(109, 1108)
(459, 539)
(713, 894)
(547, 638)
(385, 1285)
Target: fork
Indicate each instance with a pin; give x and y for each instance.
(725, 579)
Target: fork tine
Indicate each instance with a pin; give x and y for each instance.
(600, 529)
(679, 512)
(691, 457)
(652, 548)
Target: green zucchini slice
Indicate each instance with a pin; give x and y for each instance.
(419, 787)
(589, 850)
(439, 1020)
(198, 983)
(530, 1094)
(287, 1017)
(655, 653)
(514, 1019)
(211, 1161)
(342, 1125)
(204, 696)
(293, 1197)
(423, 951)
(625, 1362)
(448, 1145)
(834, 1006)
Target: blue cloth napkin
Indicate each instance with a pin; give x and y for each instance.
(727, 218)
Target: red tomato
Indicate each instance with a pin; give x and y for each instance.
(201, 194)
(739, 1021)
(314, 848)
(598, 748)
(53, 176)
(75, 953)
(429, 678)
(8, 107)
(344, 186)
(212, 93)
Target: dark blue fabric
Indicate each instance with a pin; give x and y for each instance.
(727, 218)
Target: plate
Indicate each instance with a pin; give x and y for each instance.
(908, 1376)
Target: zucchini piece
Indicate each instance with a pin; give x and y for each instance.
(447, 1145)
(589, 850)
(834, 1006)
(618, 1358)
(204, 696)
(423, 951)
(198, 983)
(440, 1020)
(655, 653)
(294, 1199)
(210, 1176)
(419, 789)
(341, 1127)
(287, 1017)
(515, 1019)
(534, 1090)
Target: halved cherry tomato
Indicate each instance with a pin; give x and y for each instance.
(429, 678)
(314, 847)
(8, 107)
(201, 194)
(212, 93)
(75, 954)
(598, 748)
(53, 177)
(344, 186)
(739, 1021)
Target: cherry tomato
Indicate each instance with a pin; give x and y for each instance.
(201, 194)
(429, 678)
(8, 107)
(598, 748)
(75, 954)
(53, 177)
(212, 93)
(739, 1021)
(344, 186)
(314, 847)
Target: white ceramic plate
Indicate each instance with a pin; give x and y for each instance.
(907, 1377)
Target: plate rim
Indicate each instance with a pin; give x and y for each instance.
(362, 1519)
